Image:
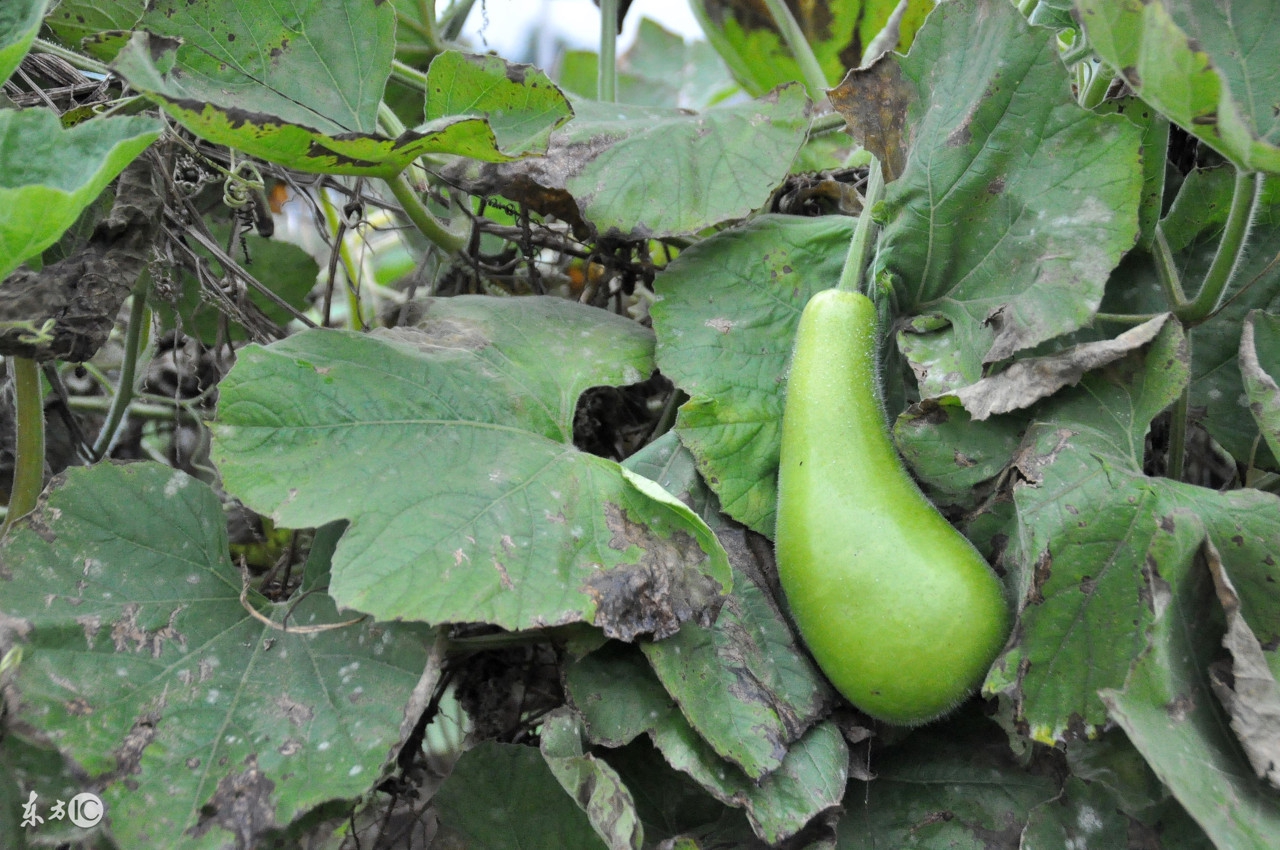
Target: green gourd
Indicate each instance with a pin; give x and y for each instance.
(899, 610)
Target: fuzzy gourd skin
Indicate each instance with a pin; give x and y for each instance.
(900, 611)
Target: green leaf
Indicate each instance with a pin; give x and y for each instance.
(951, 452)
(19, 23)
(591, 781)
(744, 684)
(1210, 68)
(49, 174)
(1259, 364)
(505, 797)
(86, 23)
(643, 172)
(950, 785)
(1014, 203)
(1167, 709)
(1155, 155)
(519, 103)
(302, 87)
(725, 320)
(620, 698)
(199, 722)
(837, 32)
(448, 447)
(1097, 542)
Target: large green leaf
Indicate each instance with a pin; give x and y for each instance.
(620, 699)
(1097, 542)
(300, 85)
(1210, 67)
(198, 724)
(49, 174)
(19, 23)
(1167, 708)
(449, 447)
(1013, 204)
(637, 171)
(745, 683)
(725, 320)
(838, 32)
(94, 24)
(590, 781)
(505, 797)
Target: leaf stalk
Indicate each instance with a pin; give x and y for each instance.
(128, 369)
(1231, 248)
(28, 469)
(607, 70)
(789, 29)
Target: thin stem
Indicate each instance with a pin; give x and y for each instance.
(355, 315)
(1178, 435)
(440, 235)
(75, 60)
(1167, 270)
(828, 122)
(450, 25)
(1096, 91)
(1124, 318)
(814, 78)
(607, 70)
(128, 368)
(1078, 50)
(856, 260)
(1244, 199)
(28, 469)
(408, 75)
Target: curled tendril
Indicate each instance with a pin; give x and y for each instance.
(242, 181)
(28, 333)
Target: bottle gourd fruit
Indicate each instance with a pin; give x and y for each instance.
(900, 611)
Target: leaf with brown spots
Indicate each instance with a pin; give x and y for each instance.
(197, 724)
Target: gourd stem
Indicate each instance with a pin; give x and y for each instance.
(1244, 200)
(607, 72)
(1166, 270)
(814, 79)
(439, 234)
(128, 368)
(859, 246)
(28, 468)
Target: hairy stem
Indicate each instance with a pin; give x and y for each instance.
(859, 246)
(1244, 199)
(440, 235)
(128, 368)
(607, 71)
(814, 79)
(1167, 270)
(28, 470)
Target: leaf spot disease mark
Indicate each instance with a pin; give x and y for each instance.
(658, 592)
(721, 325)
(127, 630)
(503, 575)
(241, 805)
